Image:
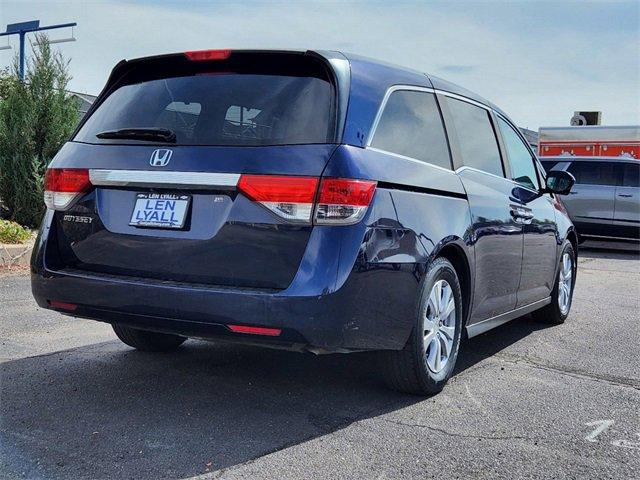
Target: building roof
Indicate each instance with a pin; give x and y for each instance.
(84, 96)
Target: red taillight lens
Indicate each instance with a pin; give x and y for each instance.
(343, 200)
(269, 332)
(343, 191)
(206, 55)
(67, 180)
(288, 197)
(272, 188)
(63, 185)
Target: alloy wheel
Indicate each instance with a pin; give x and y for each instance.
(439, 326)
(565, 283)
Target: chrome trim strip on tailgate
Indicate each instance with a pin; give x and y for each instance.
(146, 178)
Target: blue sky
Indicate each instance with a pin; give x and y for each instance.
(538, 60)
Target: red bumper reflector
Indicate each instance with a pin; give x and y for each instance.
(269, 332)
(63, 305)
(205, 55)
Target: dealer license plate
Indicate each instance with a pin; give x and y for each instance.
(160, 210)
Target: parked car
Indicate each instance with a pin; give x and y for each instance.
(312, 201)
(605, 200)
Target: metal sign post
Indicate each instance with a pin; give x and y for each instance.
(21, 29)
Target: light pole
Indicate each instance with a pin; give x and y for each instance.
(23, 28)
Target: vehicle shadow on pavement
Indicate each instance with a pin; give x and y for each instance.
(106, 411)
(483, 346)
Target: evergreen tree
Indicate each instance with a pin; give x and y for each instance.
(36, 118)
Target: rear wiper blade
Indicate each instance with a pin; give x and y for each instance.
(149, 134)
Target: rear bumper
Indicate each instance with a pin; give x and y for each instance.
(368, 306)
(361, 315)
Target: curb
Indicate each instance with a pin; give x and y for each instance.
(15, 255)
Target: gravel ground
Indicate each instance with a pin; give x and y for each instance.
(527, 401)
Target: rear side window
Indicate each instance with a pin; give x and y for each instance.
(411, 125)
(593, 173)
(631, 175)
(523, 169)
(476, 138)
(242, 107)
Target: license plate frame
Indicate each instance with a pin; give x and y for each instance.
(167, 211)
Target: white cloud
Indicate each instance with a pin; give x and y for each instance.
(538, 73)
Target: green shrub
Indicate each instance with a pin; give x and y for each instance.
(11, 232)
(36, 118)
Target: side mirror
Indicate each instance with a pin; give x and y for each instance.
(560, 182)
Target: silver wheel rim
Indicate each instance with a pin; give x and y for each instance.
(565, 282)
(439, 326)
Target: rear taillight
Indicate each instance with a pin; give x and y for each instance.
(336, 201)
(343, 200)
(62, 186)
(288, 197)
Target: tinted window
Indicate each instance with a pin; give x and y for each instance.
(179, 116)
(631, 175)
(229, 109)
(593, 173)
(523, 170)
(411, 125)
(477, 140)
(548, 164)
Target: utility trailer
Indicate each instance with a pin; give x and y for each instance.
(591, 141)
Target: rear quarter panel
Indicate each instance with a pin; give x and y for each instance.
(417, 210)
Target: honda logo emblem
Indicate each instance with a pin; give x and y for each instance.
(160, 157)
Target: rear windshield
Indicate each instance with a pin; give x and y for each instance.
(221, 108)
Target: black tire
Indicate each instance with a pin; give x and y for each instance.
(407, 370)
(552, 313)
(147, 341)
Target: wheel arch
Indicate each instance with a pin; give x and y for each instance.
(457, 256)
(572, 236)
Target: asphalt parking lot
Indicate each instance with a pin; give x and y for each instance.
(527, 401)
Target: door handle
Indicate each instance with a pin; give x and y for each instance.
(625, 195)
(520, 213)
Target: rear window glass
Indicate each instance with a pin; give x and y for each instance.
(223, 108)
(476, 138)
(411, 125)
(593, 173)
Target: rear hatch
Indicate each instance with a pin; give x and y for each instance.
(172, 158)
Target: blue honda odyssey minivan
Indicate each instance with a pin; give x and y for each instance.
(313, 201)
